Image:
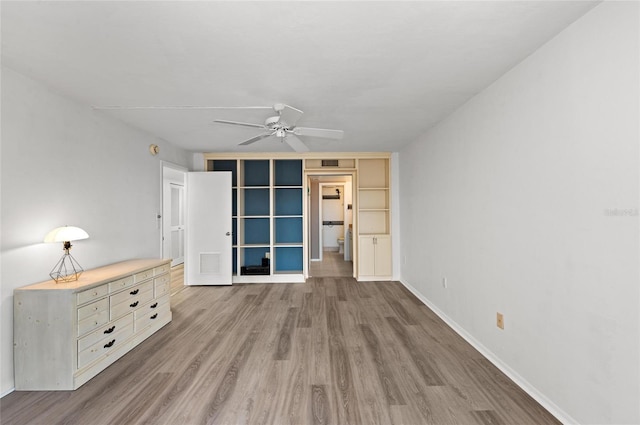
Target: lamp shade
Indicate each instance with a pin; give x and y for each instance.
(66, 233)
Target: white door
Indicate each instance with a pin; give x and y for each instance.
(208, 253)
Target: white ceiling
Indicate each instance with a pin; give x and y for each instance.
(383, 72)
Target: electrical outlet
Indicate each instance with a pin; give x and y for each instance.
(444, 282)
(500, 320)
(405, 260)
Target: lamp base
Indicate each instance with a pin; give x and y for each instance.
(66, 269)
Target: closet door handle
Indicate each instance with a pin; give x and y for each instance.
(154, 305)
(111, 329)
(134, 304)
(110, 344)
(134, 292)
(154, 316)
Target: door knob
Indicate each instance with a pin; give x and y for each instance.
(228, 233)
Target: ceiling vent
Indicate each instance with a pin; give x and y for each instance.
(329, 162)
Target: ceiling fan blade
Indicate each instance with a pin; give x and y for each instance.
(296, 143)
(318, 132)
(255, 139)
(245, 124)
(171, 107)
(288, 114)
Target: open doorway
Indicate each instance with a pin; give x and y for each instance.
(330, 225)
(173, 213)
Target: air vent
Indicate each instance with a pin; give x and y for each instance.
(209, 263)
(329, 162)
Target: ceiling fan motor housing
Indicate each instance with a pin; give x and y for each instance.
(272, 121)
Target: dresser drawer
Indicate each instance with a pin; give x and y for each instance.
(132, 303)
(154, 305)
(130, 293)
(156, 311)
(162, 269)
(142, 276)
(103, 347)
(162, 285)
(93, 308)
(105, 332)
(120, 284)
(91, 294)
(91, 322)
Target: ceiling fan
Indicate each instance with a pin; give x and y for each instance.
(284, 127)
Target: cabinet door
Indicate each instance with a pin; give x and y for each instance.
(382, 255)
(366, 256)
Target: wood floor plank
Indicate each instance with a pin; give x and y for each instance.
(344, 393)
(328, 351)
(229, 380)
(283, 347)
(304, 319)
(387, 381)
(320, 408)
(341, 291)
(426, 366)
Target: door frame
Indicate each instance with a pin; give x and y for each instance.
(321, 186)
(169, 173)
(307, 213)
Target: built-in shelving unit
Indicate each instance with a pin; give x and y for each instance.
(287, 202)
(270, 220)
(254, 214)
(374, 242)
(267, 218)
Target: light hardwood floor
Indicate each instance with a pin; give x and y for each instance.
(329, 351)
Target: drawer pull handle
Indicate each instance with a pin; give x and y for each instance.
(134, 292)
(110, 343)
(111, 329)
(134, 304)
(154, 305)
(154, 316)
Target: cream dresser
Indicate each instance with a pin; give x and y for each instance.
(66, 333)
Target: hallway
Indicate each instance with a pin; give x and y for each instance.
(332, 265)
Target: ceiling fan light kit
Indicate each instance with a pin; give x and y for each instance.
(284, 127)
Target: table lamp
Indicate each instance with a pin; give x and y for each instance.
(67, 269)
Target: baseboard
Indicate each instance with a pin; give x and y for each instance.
(9, 391)
(538, 396)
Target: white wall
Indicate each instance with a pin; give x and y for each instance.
(63, 163)
(513, 198)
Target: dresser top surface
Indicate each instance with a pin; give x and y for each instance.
(98, 276)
